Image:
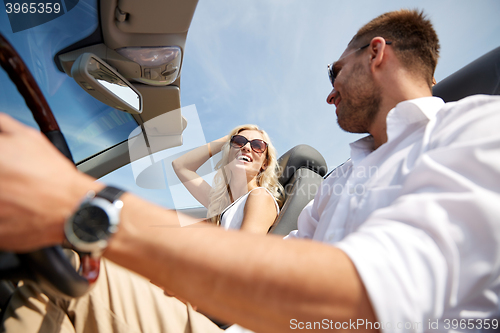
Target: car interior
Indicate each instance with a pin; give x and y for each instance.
(140, 45)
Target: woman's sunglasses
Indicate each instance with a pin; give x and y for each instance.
(257, 145)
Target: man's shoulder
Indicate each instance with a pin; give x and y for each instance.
(470, 118)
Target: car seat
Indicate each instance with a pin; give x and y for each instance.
(482, 76)
(302, 171)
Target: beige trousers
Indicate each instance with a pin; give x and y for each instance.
(121, 301)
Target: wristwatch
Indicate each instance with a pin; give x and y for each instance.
(89, 229)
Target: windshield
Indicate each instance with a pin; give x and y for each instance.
(88, 125)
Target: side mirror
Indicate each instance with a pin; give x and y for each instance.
(105, 84)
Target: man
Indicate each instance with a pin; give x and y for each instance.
(410, 242)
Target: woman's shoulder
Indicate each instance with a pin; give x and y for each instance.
(262, 196)
(260, 191)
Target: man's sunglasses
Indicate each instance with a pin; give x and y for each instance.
(257, 145)
(332, 75)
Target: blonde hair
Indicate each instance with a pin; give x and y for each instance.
(268, 178)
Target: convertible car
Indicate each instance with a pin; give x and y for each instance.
(114, 89)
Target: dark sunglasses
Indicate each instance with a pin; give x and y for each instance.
(257, 145)
(332, 75)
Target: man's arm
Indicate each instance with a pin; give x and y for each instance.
(260, 282)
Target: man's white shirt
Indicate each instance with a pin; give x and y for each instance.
(420, 216)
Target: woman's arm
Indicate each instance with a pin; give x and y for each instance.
(260, 212)
(185, 168)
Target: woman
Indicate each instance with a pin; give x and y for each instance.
(246, 190)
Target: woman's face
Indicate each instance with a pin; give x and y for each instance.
(245, 158)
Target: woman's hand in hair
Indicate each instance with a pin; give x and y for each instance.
(185, 168)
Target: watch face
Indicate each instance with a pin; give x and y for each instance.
(91, 224)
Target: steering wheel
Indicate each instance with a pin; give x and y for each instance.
(49, 266)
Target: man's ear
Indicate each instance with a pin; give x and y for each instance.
(377, 51)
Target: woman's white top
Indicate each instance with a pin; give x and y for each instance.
(232, 216)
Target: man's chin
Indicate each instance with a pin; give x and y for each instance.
(350, 127)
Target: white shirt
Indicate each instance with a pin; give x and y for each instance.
(420, 216)
(232, 216)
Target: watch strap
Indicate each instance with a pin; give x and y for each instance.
(110, 193)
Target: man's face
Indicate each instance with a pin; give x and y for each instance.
(355, 94)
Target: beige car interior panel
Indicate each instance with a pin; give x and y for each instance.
(116, 38)
(163, 122)
(164, 18)
(158, 100)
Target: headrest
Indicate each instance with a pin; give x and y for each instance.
(301, 156)
(482, 76)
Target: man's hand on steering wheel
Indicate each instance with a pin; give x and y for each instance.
(26, 222)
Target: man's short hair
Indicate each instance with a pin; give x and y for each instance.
(415, 41)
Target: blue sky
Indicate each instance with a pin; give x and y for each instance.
(264, 62)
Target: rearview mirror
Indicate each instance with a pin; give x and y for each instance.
(105, 84)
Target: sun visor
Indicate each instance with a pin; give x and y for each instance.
(162, 120)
